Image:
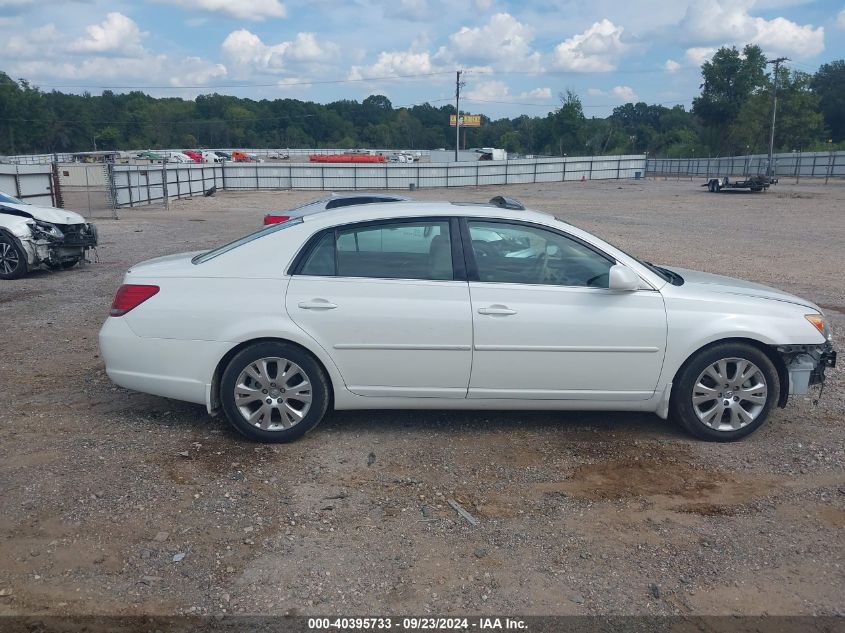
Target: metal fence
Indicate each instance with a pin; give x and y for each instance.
(34, 184)
(134, 185)
(67, 157)
(795, 164)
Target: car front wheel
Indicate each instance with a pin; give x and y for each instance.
(13, 263)
(725, 392)
(274, 392)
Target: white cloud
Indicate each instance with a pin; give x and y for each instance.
(671, 66)
(716, 21)
(840, 20)
(496, 90)
(503, 41)
(537, 93)
(699, 54)
(46, 54)
(116, 34)
(491, 90)
(37, 43)
(254, 10)
(147, 68)
(306, 48)
(595, 50)
(625, 93)
(412, 10)
(245, 50)
(195, 71)
(393, 63)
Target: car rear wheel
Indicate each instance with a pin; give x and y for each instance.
(725, 392)
(13, 263)
(274, 392)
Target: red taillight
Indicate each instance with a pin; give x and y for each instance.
(272, 218)
(129, 297)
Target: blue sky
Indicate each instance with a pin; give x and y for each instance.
(517, 56)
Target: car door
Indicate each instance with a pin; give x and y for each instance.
(546, 326)
(389, 301)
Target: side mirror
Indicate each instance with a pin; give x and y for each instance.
(623, 278)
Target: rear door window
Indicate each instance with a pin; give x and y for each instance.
(385, 250)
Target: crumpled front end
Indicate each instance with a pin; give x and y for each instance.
(57, 245)
(806, 365)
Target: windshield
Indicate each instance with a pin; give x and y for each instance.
(267, 230)
(4, 197)
(664, 273)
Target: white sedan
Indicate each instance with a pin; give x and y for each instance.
(415, 305)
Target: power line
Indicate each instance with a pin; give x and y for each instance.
(556, 105)
(348, 80)
(249, 84)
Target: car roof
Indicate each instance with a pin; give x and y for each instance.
(409, 209)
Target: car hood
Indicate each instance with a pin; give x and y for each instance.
(45, 214)
(695, 280)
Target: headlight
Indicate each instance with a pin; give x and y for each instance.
(817, 320)
(47, 230)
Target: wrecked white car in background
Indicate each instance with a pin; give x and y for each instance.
(34, 237)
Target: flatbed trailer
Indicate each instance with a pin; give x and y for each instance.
(752, 183)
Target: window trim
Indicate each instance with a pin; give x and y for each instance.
(459, 271)
(472, 263)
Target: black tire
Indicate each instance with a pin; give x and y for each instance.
(712, 186)
(309, 369)
(683, 410)
(13, 264)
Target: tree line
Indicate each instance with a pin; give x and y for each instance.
(730, 116)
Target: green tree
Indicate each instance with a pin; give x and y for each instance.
(566, 125)
(829, 84)
(730, 78)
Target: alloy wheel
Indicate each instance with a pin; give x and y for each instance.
(729, 394)
(273, 394)
(9, 258)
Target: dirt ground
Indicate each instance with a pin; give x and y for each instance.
(116, 502)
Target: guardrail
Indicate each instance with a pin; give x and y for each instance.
(133, 185)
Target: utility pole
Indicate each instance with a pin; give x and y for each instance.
(777, 62)
(458, 86)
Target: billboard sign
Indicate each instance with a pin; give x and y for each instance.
(467, 120)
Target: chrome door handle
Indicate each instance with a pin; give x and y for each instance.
(317, 304)
(497, 311)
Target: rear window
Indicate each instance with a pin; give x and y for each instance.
(348, 202)
(267, 230)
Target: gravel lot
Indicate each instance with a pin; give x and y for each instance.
(104, 490)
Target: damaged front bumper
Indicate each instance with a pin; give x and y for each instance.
(806, 365)
(56, 245)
